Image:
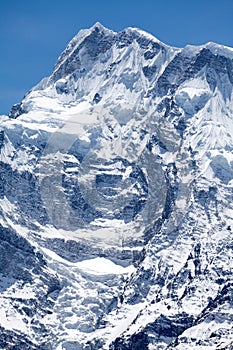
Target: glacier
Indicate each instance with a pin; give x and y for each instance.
(116, 188)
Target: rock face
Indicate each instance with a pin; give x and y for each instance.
(116, 199)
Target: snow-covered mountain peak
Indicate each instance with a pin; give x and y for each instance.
(88, 39)
(145, 34)
(215, 48)
(101, 27)
(219, 49)
(129, 58)
(116, 177)
(98, 57)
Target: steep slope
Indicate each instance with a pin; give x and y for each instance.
(116, 199)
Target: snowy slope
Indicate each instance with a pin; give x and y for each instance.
(116, 199)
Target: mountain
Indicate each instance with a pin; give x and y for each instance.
(116, 199)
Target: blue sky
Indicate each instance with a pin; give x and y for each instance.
(33, 33)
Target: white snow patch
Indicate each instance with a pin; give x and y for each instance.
(102, 266)
(98, 266)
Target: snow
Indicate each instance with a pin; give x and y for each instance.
(218, 49)
(102, 266)
(10, 318)
(97, 266)
(145, 34)
(17, 290)
(12, 322)
(120, 324)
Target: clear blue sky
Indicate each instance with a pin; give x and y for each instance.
(34, 32)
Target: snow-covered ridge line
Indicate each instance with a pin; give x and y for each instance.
(77, 40)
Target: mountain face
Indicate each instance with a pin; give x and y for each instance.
(116, 199)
